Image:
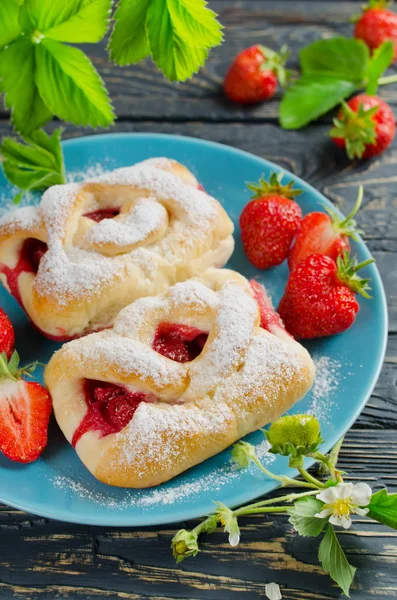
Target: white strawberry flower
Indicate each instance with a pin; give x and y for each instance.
(343, 500)
(229, 522)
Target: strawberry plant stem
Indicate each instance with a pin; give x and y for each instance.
(388, 79)
(286, 498)
(355, 207)
(283, 480)
(310, 478)
(265, 509)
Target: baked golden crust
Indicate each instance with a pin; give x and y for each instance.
(167, 230)
(244, 378)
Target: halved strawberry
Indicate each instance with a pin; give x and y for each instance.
(327, 234)
(7, 337)
(25, 409)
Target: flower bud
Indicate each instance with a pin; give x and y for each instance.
(184, 544)
(242, 454)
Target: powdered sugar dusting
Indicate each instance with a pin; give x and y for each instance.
(129, 358)
(176, 492)
(27, 217)
(91, 171)
(145, 218)
(164, 432)
(235, 321)
(327, 379)
(172, 218)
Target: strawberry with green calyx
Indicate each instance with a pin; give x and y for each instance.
(25, 409)
(319, 299)
(270, 221)
(325, 233)
(273, 187)
(365, 126)
(295, 436)
(254, 74)
(377, 24)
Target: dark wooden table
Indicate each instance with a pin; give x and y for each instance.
(43, 559)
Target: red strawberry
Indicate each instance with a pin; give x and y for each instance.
(269, 222)
(319, 299)
(377, 25)
(25, 408)
(322, 233)
(254, 73)
(365, 126)
(7, 337)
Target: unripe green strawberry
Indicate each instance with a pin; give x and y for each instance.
(295, 436)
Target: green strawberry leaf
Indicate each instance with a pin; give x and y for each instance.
(335, 562)
(178, 44)
(303, 519)
(177, 33)
(380, 60)
(10, 28)
(383, 508)
(128, 42)
(35, 165)
(17, 67)
(70, 85)
(196, 24)
(311, 96)
(87, 22)
(332, 69)
(344, 58)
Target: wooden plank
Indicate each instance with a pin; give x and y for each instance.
(141, 92)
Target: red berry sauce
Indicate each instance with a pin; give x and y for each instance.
(102, 213)
(180, 343)
(269, 317)
(31, 254)
(110, 408)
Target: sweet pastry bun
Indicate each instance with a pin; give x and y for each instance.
(91, 248)
(178, 378)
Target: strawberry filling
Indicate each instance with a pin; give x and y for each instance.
(180, 343)
(102, 213)
(110, 408)
(270, 319)
(29, 259)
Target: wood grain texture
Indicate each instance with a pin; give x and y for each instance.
(46, 560)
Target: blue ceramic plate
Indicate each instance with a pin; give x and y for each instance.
(58, 485)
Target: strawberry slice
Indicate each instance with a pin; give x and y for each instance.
(325, 233)
(25, 409)
(7, 337)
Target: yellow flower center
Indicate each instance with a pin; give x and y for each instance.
(342, 507)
